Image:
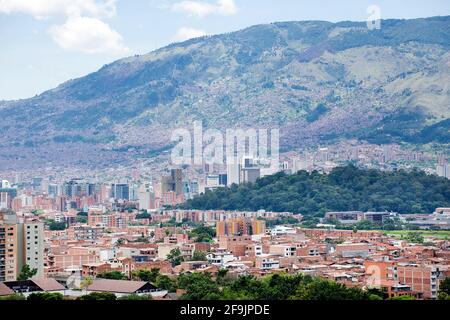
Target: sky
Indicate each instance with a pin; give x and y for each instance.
(44, 43)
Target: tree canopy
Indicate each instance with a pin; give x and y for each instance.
(344, 189)
(201, 286)
(112, 275)
(26, 273)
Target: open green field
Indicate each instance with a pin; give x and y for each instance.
(442, 234)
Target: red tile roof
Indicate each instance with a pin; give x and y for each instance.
(48, 284)
(4, 290)
(119, 286)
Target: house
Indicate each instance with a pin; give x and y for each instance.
(28, 287)
(124, 287)
(94, 269)
(5, 290)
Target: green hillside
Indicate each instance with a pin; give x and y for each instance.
(344, 189)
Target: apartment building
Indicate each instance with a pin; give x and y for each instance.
(421, 278)
(267, 263)
(240, 226)
(20, 244)
(283, 250)
(33, 238)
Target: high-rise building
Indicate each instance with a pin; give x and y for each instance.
(223, 180)
(5, 200)
(6, 197)
(443, 170)
(72, 189)
(233, 173)
(240, 227)
(120, 191)
(173, 182)
(250, 175)
(53, 190)
(20, 244)
(37, 183)
(146, 197)
(33, 239)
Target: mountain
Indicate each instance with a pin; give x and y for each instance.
(344, 189)
(317, 81)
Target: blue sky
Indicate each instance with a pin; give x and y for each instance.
(47, 42)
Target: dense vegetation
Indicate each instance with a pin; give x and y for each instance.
(57, 226)
(444, 289)
(200, 286)
(344, 189)
(202, 234)
(26, 273)
(112, 275)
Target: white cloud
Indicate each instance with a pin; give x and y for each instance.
(83, 31)
(185, 33)
(202, 8)
(41, 9)
(88, 35)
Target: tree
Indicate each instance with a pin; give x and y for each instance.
(143, 215)
(199, 256)
(103, 296)
(392, 224)
(26, 273)
(198, 286)
(86, 283)
(175, 257)
(135, 297)
(201, 286)
(414, 237)
(120, 241)
(13, 297)
(323, 290)
(57, 226)
(221, 276)
(365, 225)
(112, 275)
(444, 289)
(445, 286)
(142, 239)
(202, 234)
(81, 219)
(344, 189)
(45, 296)
(165, 283)
(147, 275)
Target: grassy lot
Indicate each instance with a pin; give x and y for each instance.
(443, 234)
